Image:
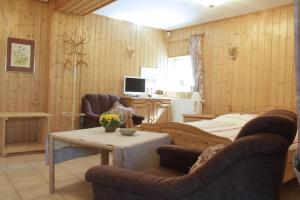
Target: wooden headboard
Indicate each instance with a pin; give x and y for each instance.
(186, 135)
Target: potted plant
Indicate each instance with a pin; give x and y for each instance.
(110, 121)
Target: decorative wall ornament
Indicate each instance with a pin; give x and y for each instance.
(233, 53)
(20, 55)
(76, 42)
(130, 51)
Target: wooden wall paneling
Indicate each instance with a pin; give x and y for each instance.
(275, 55)
(136, 37)
(282, 56)
(254, 62)
(236, 67)
(290, 73)
(258, 78)
(52, 69)
(267, 59)
(106, 56)
(20, 91)
(260, 60)
(207, 71)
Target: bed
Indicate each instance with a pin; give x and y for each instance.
(222, 129)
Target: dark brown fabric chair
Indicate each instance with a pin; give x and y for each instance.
(250, 168)
(93, 105)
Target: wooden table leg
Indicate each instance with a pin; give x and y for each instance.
(104, 157)
(45, 130)
(51, 165)
(2, 136)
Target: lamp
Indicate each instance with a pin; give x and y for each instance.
(196, 97)
(212, 3)
(130, 51)
(233, 53)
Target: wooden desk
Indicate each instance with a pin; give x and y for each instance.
(26, 146)
(154, 109)
(197, 117)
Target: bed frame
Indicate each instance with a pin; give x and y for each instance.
(193, 137)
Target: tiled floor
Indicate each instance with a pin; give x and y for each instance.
(25, 177)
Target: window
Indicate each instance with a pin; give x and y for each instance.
(179, 74)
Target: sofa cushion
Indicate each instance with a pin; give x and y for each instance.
(206, 155)
(93, 100)
(122, 111)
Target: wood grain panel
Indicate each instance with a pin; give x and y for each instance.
(80, 7)
(263, 74)
(22, 92)
(106, 55)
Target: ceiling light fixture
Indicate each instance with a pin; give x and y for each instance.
(212, 3)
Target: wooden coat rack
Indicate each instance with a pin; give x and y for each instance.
(76, 42)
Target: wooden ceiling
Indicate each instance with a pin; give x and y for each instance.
(80, 7)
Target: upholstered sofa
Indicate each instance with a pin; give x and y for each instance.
(250, 168)
(93, 105)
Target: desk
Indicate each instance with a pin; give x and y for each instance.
(131, 152)
(154, 109)
(23, 147)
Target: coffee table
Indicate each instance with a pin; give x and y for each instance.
(131, 152)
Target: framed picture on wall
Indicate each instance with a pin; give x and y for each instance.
(20, 55)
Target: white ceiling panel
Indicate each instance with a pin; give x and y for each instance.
(173, 14)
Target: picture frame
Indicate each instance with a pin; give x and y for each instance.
(20, 55)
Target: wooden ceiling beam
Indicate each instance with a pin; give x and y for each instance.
(62, 5)
(80, 7)
(94, 5)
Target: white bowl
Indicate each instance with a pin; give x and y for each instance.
(128, 131)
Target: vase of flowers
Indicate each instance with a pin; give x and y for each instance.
(110, 121)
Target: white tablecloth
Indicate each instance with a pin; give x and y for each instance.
(131, 152)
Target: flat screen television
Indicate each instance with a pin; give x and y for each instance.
(134, 85)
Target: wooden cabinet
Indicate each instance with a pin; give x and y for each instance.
(153, 109)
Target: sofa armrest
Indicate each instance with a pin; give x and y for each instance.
(132, 182)
(265, 144)
(92, 116)
(177, 157)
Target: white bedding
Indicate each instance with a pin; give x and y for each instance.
(228, 125)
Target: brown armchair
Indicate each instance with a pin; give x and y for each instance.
(249, 168)
(93, 105)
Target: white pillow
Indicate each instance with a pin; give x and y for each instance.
(122, 111)
(206, 155)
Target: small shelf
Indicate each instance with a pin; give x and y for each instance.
(42, 130)
(23, 147)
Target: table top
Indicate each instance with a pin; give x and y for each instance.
(23, 114)
(97, 137)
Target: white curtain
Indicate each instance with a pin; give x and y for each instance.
(196, 53)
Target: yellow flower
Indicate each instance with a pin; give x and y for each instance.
(108, 117)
